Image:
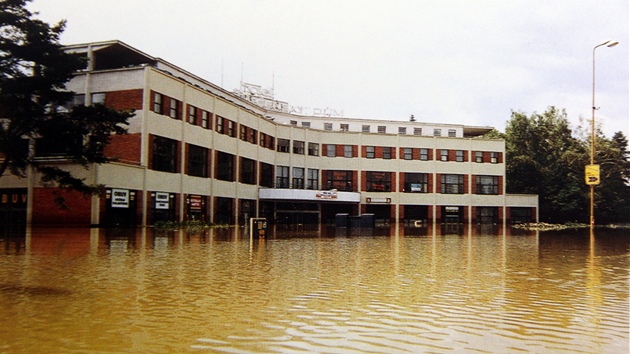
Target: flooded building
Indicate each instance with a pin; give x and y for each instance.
(196, 151)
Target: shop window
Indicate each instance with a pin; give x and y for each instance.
(378, 181)
(452, 184)
(487, 185)
(164, 154)
(416, 183)
(197, 161)
(225, 166)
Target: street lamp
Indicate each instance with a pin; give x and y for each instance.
(592, 171)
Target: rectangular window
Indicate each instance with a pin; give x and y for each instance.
(381, 129)
(282, 176)
(298, 177)
(331, 150)
(369, 152)
(345, 127)
(231, 129)
(487, 185)
(252, 135)
(347, 151)
(479, 156)
(197, 161)
(437, 132)
(283, 145)
(219, 125)
(248, 171)
(387, 152)
(459, 155)
(402, 130)
(204, 119)
(408, 153)
(312, 179)
(416, 183)
(164, 154)
(243, 132)
(298, 147)
(192, 114)
(98, 98)
(225, 166)
(378, 181)
(313, 149)
(328, 126)
(417, 131)
(452, 133)
(494, 157)
(365, 128)
(424, 154)
(443, 155)
(452, 184)
(158, 98)
(174, 109)
(266, 175)
(339, 180)
(306, 124)
(293, 123)
(263, 139)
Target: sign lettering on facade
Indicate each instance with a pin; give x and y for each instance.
(120, 198)
(195, 202)
(331, 194)
(161, 200)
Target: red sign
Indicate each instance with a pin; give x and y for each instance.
(195, 202)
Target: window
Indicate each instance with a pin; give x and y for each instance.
(204, 119)
(312, 179)
(282, 176)
(248, 171)
(225, 166)
(98, 98)
(437, 132)
(266, 175)
(220, 125)
(263, 139)
(402, 130)
(387, 152)
(243, 132)
(347, 151)
(459, 155)
(252, 135)
(408, 153)
(365, 128)
(192, 114)
(479, 156)
(424, 154)
(306, 124)
(417, 131)
(158, 98)
(293, 123)
(328, 126)
(378, 181)
(381, 129)
(494, 157)
(197, 161)
(313, 149)
(283, 145)
(331, 150)
(452, 184)
(174, 109)
(231, 129)
(298, 147)
(298, 177)
(369, 152)
(339, 180)
(164, 154)
(345, 127)
(443, 155)
(487, 185)
(416, 183)
(452, 133)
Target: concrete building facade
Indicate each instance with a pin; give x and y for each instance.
(195, 151)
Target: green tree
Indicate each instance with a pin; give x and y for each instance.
(544, 158)
(612, 195)
(34, 69)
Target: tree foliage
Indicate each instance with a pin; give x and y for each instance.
(34, 69)
(545, 158)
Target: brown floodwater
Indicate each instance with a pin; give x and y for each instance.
(432, 289)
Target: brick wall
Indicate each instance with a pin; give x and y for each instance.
(46, 211)
(125, 99)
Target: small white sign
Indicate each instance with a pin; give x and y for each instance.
(161, 200)
(120, 198)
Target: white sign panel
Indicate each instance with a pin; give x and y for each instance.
(120, 198)
(161, 200)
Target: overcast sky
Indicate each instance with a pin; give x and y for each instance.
(469, 62)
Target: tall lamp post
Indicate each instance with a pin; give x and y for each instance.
(592, 171)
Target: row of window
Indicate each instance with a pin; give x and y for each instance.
(381, 129)
(164, 157)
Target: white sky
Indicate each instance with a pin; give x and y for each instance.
(453, 61)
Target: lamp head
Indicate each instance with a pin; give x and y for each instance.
(611, 43)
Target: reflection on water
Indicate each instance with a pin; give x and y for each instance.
(386, 290)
